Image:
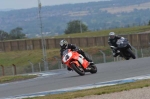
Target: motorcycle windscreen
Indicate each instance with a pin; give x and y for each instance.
(121, 43)
(65, 52)
(66, 57)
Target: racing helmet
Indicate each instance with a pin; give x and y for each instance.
(63, 43)
(112, 35)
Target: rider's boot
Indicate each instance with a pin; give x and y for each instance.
(69, 69)
(116, 53)
(90, 61)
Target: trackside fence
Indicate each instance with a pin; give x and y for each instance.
(56, 64)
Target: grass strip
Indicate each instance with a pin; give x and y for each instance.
(7, 79)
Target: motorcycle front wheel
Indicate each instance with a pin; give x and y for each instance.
(79, 70)
(131, 54)
(93, 69)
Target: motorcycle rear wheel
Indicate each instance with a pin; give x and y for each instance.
(78, 70)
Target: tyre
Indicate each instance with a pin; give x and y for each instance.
(93, 69)
(80, 71)
(125, 56)
(131, 54)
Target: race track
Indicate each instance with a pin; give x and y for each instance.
(106, 72)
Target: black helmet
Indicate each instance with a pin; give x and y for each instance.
(63, 43)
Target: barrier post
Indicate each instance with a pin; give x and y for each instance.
(14, 66)
(104, 56)
(31, 66)
(2, 70)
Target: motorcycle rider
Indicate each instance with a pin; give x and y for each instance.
(112, 42)
(64, 45)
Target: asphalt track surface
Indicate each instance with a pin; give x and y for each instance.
(106, 72)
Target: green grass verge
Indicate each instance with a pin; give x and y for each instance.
(7, 79)
(118, 31)
(20, 58)
(98, 91)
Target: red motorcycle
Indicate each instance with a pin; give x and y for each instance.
(77, 62)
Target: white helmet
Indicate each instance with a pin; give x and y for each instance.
(112, 35)
(63, 43)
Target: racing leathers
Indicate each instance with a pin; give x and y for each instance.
(112, 42)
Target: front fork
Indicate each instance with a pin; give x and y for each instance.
(129, 45)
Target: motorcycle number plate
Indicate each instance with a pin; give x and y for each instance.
(67, 57)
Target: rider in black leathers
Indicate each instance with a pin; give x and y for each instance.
(64, 45)
(112, 42)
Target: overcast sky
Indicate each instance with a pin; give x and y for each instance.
(23, 4)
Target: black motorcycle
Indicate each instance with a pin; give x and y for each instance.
(124, 49)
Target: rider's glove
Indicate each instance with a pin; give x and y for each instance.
(79, 49)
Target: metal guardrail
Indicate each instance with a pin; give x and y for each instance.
(104, 56)
(142, 53)
(56, 64)
(31, 66)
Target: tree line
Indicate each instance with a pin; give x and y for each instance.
(16, 33)
(75, 26)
